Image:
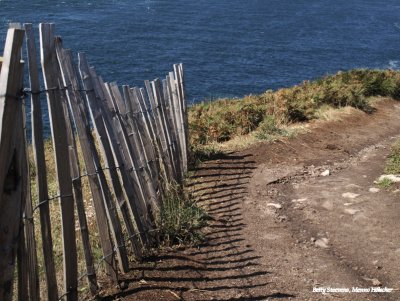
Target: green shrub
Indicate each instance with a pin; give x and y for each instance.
(268, 129)
(224, 119)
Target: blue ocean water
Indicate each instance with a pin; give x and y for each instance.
(229, 48)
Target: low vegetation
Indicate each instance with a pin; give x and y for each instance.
(385, 183)
(393, 160)
(180, 219)
(268, 113)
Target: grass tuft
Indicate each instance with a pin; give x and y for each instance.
(268, 129)
(180, 219)
(385, 183)
(393, 160)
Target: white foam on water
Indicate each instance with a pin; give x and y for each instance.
(394, 64)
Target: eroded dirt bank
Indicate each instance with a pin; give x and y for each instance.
(281, 229)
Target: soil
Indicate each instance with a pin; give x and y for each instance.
(280, 229)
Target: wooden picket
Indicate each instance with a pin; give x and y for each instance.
(132, 149)
(11, 152)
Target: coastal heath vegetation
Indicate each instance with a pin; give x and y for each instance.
(268, 114)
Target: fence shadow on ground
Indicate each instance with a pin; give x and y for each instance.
(224, 267)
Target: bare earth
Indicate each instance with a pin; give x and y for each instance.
(280, 228)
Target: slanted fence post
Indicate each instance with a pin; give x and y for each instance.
(40, 164)
(52, 81)
(11, 156)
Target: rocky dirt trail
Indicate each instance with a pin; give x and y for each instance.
(283, 225)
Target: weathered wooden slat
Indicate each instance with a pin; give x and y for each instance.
(51, 76)
(178, 70)
(25, 255)
(170, 114)
(31, 253)
(147, 115)
(110, 147)
(91, 156)
(22, 268)
(11, 154)
(40, 163)
(168, 131)
(155, 100)
(172, 87)
(180, 134)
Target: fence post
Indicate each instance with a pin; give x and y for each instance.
(51, 76)
(11, 152)
(40, 163)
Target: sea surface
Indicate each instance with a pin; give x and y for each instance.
(229, 48)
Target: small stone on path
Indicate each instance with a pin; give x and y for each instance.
(350, 195)
(275, 205)
(325, 173)
(374, 281)
(322, 243)
(374, 190)
(299, 200)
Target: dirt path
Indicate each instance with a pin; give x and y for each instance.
(281, 229)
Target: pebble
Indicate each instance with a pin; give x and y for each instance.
(374, 281)
(299, 200)
(325, 173)
(374, 190)
(328, 205)
(350, 195)
(322, 242)
(275, 205)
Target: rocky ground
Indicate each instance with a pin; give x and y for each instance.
(290, 217)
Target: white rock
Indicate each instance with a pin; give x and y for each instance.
(328, 205)
(325, 173)
(322, 243)
(275, 205)
(393, 178)
(350, 195)
(374, 190)
(299, 200)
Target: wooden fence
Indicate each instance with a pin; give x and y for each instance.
(132, 143)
